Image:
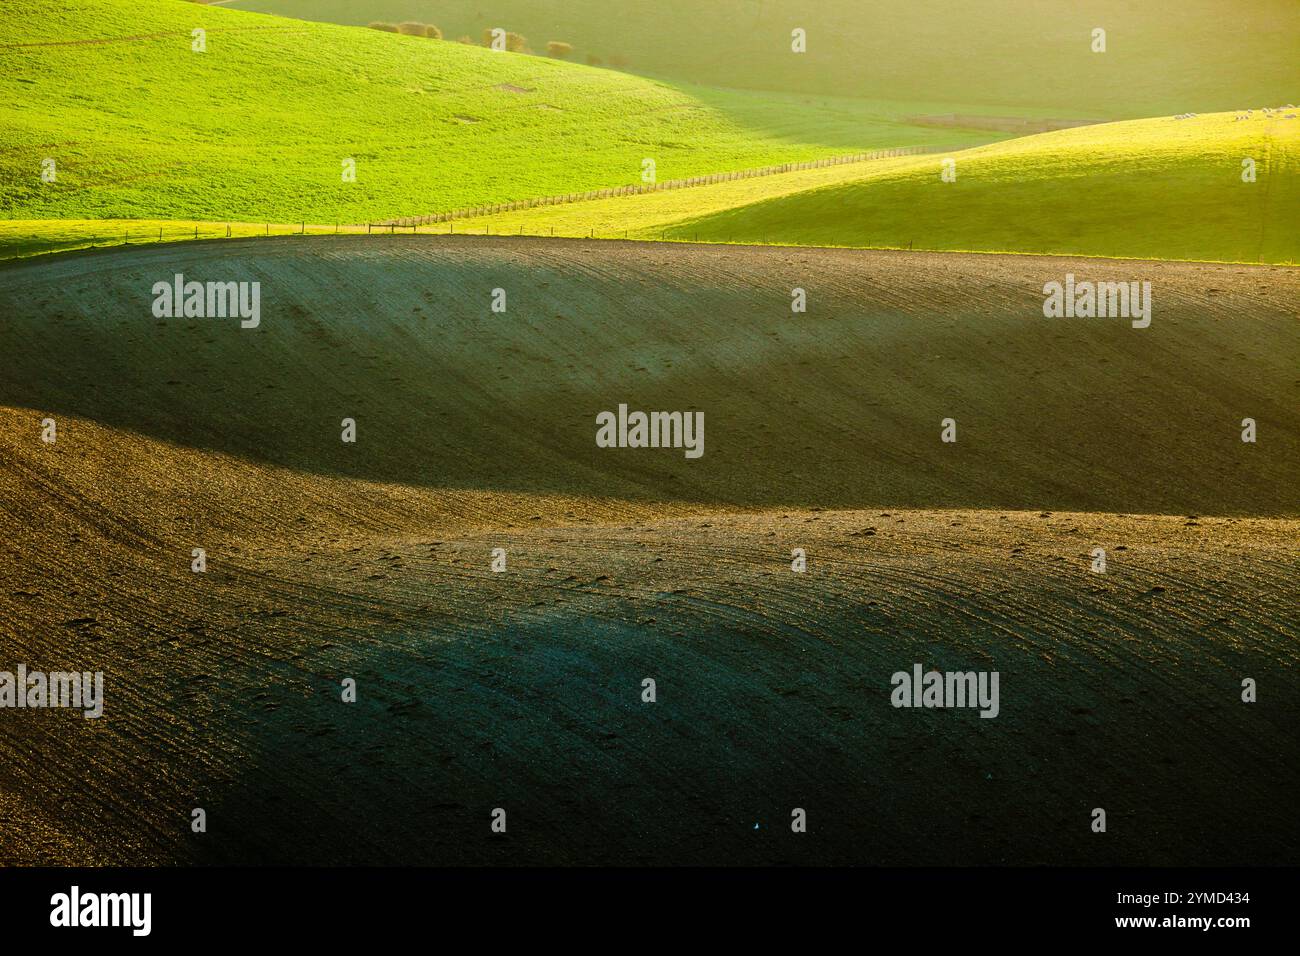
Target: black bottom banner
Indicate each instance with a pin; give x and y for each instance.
(333, 905)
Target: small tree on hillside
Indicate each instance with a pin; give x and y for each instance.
(559, 49)
(411, 28)
(432, 32)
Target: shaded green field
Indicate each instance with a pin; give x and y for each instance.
(257, 127)
(1164, 188)
(1008, 56)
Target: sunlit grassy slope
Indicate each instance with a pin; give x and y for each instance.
(649, 215)
(1161, 188)
(257, 127)
(643, 214)
(1164, 189)
(1162, 56)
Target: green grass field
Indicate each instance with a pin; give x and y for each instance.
(651, 215)
(1168, 189)
(1162, 188)
(257, 127)
(1005, 56)
(153, 141)
(606, 218)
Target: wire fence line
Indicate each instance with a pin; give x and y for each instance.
(126, 234)
(471, 212)
(20, 248)
(28, 248)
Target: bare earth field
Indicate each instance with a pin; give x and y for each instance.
(522, 689)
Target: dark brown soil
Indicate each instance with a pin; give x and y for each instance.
(522, 689)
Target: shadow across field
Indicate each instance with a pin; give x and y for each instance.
(541, 715)
(522, 689)
(838, 407)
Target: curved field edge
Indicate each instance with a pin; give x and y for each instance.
(20, 238)
(1163, 189)
(1203, 188)
(1177, 186)
(23, 239)
(606, 218)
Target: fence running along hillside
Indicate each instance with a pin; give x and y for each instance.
(471, 212)
(108, 234)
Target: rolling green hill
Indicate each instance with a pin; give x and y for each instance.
(257, 127)
(1160, 189)
(1162, 56)
(151, 138)
(1163, 188)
